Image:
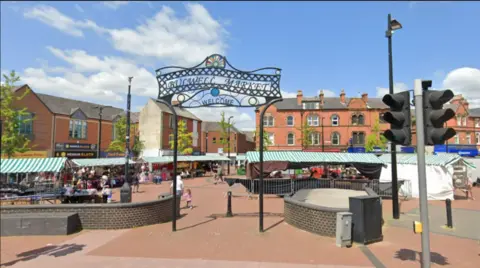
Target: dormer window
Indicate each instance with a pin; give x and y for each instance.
(78, 129)
(311, 105)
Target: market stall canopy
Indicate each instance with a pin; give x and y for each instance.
(241, 157)
(34, 165)
(100, 162)
(430, 160)
(185, 158)
(368, 164)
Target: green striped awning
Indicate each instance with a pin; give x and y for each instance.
(431, 160)
(99, 162)
(186, 158)
(32, 165)
(241, 157)
(314, 157)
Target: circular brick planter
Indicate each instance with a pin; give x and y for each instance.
(108, 216)
(312, 218)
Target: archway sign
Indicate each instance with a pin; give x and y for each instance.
(216, 83)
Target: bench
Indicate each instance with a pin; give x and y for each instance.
(25, 224)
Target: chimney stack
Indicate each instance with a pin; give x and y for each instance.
(365, 97)
(299, 97)
(321, 96)
(342, 96)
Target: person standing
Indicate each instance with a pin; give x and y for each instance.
(179, 190)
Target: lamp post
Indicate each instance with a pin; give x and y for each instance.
(323, 138)
(126, 191)
(392, 25)
(100, 113)
(229, 161)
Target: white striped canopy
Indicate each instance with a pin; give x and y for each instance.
(314, 157)
(430, 160)
(186, 158)
(100, 162)
(32, 165)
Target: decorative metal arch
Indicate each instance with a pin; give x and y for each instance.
(215, 82)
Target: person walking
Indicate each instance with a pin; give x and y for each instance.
(188, 197)
(179, 190)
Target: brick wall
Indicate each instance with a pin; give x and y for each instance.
(311, 218)
(108, 216)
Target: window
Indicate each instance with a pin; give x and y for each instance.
(312, 120)
(457, 139)
(469, 138)
(170, 139)
(78, 129)
(459, 121)
(114, 132)
(382, 121)
(26, 128)
(291, 139)
(271, 138)
(214, 140)
(335, 120)
(464, 121)
(477, 122)
(335, 138)
(314, 138)
(361, 120)
(170, 121)
(268, 121)
(290, 121)
(310, 105)
(354, 120)
(358, 138)
(477, 137)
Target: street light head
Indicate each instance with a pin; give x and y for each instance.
(130, 79)
(395, 25)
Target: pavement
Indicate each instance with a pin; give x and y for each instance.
(205, 238)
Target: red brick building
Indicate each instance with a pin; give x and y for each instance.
(212, 140)
(347, 120)
(66, 127)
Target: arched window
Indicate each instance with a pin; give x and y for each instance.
(335, 120)
(335, 138)
(291, 139)
(314, 138)
(354, 119)
(361, 119)
(290, 121)
(268, 121)
(312, 120)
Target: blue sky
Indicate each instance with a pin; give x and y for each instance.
(85, 50)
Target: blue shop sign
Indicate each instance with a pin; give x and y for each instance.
(463, 150)
(408, 149)
(356, 149)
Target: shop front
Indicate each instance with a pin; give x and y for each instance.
(75, 150)
(104, 154)
(28, 154)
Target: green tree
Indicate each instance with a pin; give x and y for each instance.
(12, 118)
(306, 131)
(138, 146)
(120, 128)
(375, 139)
(266, 140)
(224, 125)
(184, 139)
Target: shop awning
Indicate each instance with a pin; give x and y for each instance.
(431, 160)
(185, 158)
(241, 157)
(33, 165)
(314, 157)
(100, 162)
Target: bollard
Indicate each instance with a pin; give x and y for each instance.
(448, 203)
(229, 204)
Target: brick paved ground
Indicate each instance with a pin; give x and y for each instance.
(202, 239)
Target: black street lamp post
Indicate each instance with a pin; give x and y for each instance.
(126, 191)
(100, 113)
(229, 161)
(392, 26)
(323, 137)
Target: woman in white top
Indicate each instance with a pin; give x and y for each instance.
(180, 186)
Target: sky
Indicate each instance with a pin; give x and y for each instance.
(87, 50)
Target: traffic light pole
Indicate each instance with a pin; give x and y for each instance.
(395, 207)
(422, 183)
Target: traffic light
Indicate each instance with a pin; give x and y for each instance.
(398, 117)
(435, 116)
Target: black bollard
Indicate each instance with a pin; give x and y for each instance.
(229, 204)
(448, 203)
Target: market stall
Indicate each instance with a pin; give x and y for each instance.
(440, 170)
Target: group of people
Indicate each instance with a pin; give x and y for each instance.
(179, 191)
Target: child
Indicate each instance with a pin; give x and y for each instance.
(188, 197)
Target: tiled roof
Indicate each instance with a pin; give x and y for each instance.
(64, 106)
(180, 111)
(214, 126)
(328, 103)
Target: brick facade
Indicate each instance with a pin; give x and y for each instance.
(108, 216)
(211, 140)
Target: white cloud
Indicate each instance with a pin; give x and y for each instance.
(465, 81)
(327, 93)
(54, 18)
(114, 4)
(79, 8)
(397, 87)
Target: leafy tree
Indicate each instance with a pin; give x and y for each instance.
(224, 125)
(138, 146)
(375, 139)
(184, 139)
(118, 144)
(266, 141)
(304, 139)
(12, 118)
